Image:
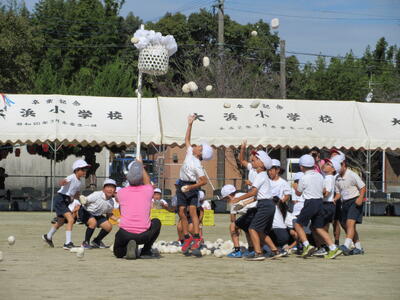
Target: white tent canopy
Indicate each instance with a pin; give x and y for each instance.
(221, 122)
(77, 119)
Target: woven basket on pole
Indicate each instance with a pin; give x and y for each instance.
(153, 60)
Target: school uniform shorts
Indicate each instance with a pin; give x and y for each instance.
(338, 211)
(351, 211)
(244, 221)
(329, 212)
(280, 236)
(188, 198)
(264, 217)
(61, 203)
(84, 215)
(313, 211)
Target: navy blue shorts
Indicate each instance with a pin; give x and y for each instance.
(264, 217)
(244, 221)
(84, 215)
(351, 211)
(338, 206)
(329, 212)
(313, 210)
(189, 198)
(61, 203)
(280, 236)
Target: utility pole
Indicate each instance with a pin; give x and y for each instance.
(283, 151)
(221, 78)
(221, 87)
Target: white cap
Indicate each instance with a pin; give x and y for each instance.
(276, 163)
(264, 157)
(298, 175)
(109, 181)
(341, 157)
(307, 161)
(80, 164)
(337, 163)
(201, 195)
(227, 190)
(207, 152)
(157, 190)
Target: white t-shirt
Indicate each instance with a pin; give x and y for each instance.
(263, 185)
(349, 185)
(159, 203)
(191, 169)
(72, 186)
(252, 174)
(329, 186)
(73, 204)
(289, 220)
(311, 185)
(97, 204)
(244, 209)
(298, 206)
(280, 187)
(278, 219)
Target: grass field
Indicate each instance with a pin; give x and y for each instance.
(31, 270)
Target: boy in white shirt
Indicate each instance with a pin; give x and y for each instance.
(157, 202)
(246, 209)
(92, 212)
(192, 177)
(252, 172)
(261, 188)
(70, 187)
(351, 189)
(311, 187)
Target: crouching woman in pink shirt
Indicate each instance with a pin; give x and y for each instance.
(136, 228)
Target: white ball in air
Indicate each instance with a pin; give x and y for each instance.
(254, 33)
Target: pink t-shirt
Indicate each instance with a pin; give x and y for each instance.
(135, 205)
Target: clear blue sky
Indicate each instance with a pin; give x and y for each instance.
(318, 26)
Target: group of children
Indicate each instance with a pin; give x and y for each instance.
(324, 192)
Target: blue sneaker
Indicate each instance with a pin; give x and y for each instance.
(235, 254)
(346, 251)
(357, 251)
(249, 253)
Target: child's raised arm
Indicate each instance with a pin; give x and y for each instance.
(191, 119)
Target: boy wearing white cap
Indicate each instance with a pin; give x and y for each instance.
(261, 224)
(69, 190)
(352, 190)
(246, 209)
(311, 187)
(191, 178)
(157, 202)
(92, 212)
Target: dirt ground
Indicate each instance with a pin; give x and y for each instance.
(31, 270)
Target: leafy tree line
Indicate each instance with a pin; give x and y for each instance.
(82, 47)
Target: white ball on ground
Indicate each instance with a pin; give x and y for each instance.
(11, 240)
(1, 256)
(81, 252)
(218, 253)
(74, 249)
(208, 252)
(203, 251)
(209, 88)
(219, 241)
(254, 33)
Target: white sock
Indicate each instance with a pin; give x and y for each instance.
(306, 243)
(347, 242)
(332, 247)
(68, 237)
(51, 233)
(358, 245)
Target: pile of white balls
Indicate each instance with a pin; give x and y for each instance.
(219, 248)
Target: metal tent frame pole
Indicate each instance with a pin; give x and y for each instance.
(53, 175)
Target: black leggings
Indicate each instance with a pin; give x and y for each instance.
(122, 237)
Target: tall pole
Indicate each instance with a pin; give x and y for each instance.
(283, 151)
(282, 69)
(139, 111)
(221, 79)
